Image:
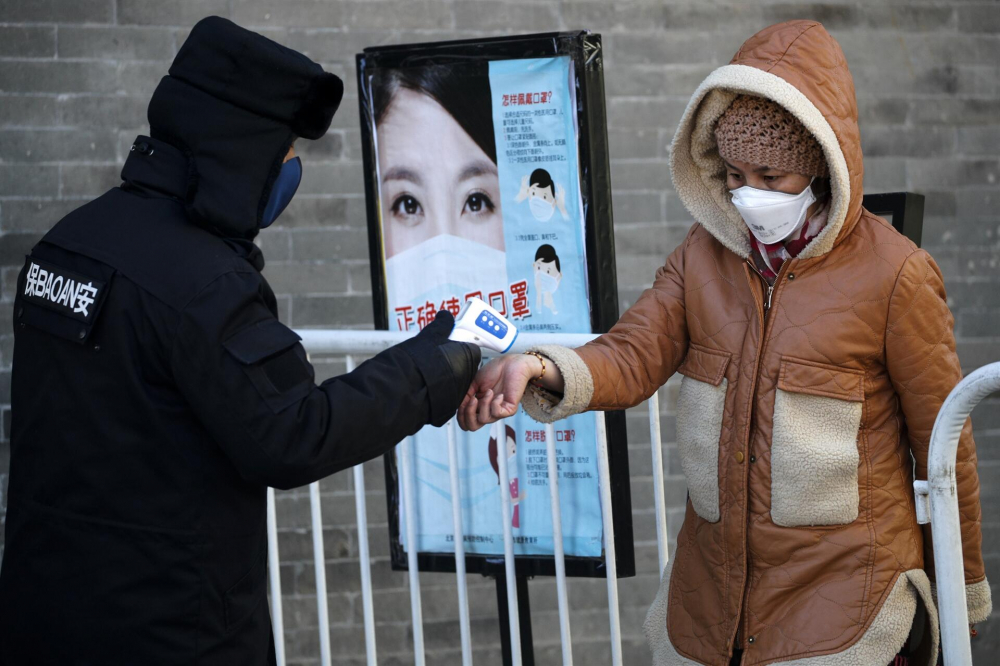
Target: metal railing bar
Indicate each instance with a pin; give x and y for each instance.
(364, 555)
(659, 499)
(946, 525)
(365, 343)
(604, 475)
(459, 536)
(274, 575)
(319, 562)
(508, 545)
(407, 466)
(557, 541)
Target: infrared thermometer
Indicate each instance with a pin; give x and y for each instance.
(481, 325)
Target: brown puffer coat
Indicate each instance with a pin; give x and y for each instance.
(796, 423)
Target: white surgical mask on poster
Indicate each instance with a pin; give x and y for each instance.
(541, 209)
(441, 267)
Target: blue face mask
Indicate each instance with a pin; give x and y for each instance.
(283, 190)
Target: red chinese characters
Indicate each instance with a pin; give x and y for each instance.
(404, 317)
(519, 291)
(527, 98)
(498, 301)
(423, 314)
(426, 314)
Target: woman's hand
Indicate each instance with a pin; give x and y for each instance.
(497, 390)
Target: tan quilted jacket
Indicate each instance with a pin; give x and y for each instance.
(795, 422)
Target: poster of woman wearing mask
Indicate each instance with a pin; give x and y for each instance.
(477, 193)
(460, 218)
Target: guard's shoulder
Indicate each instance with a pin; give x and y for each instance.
(151, 242)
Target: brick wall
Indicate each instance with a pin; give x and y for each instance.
(75, 77)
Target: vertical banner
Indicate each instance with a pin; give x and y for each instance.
(475, 181)
(536, 136)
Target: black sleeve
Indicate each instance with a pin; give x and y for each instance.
(247, 378)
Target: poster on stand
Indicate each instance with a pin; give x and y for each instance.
(483, 180)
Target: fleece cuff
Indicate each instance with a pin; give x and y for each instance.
(547, 407)
(979, 601)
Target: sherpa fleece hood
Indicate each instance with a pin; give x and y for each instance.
(798, 65)
(233, 103)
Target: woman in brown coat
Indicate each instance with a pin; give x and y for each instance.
(816, 348)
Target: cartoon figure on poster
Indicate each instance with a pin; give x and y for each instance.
(517, 494)
(543, 195)
(548, 275)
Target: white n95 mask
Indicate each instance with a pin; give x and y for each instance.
(442, 268)
(772, 216)
(541, 209)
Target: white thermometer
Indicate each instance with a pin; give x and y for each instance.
(481, 325)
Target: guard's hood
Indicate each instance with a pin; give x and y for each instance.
(800, 66)
(233, 102)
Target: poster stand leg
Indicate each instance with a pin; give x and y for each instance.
(524, 620)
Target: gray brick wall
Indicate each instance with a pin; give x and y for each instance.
(75, 77)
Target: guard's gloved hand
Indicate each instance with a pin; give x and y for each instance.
(448, 367)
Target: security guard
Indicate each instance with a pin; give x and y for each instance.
(156, 395)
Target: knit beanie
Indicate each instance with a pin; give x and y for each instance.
(757, 130)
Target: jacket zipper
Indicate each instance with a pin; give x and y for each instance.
(740, 629)
(770, 292)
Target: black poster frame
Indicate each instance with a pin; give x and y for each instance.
(587, 53)
(905, 208)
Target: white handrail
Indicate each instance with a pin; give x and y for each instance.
(369, 343)
(940, 489)
(319, 565)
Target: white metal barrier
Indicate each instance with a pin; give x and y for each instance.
(367, 343)
(937, 503)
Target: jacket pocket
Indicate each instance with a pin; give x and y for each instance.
(242, 599)
(274, 361)
(700, 408)
(814, 444)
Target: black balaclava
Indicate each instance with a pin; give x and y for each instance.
(234, 101)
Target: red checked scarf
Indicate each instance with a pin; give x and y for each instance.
(769, 257)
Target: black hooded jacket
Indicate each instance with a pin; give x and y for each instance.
(156, 395)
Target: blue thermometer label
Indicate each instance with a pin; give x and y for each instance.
(489, 324)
